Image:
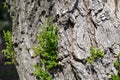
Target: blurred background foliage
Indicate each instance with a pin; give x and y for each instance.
(5, 20)
(7, 72)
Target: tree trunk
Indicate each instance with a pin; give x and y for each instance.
(82, 23)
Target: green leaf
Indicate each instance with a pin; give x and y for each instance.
(47, 49)
(9, 51)
(95, 54)
(117, 63)
(92, 50)
(115, 77)
(119, 55)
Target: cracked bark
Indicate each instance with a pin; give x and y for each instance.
(82, 23)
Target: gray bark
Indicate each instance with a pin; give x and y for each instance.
(82, 23)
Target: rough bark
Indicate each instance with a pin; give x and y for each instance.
(82, 23)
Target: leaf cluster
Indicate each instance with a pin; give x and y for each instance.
(117, 65)
(41, 74)
(9, 51)
(95, 54)
(47, 49)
